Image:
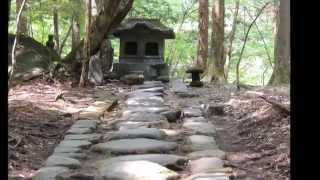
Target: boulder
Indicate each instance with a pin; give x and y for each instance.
(49, 173)
(132, 79)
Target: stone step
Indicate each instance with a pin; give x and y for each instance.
(136, 170)
(134, 146)
(200, 142)
(178, 86)
(161, 159)
(151, 133)
(202, 128)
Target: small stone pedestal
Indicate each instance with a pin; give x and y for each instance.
(195, 73)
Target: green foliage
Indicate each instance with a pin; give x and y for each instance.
(182, 16)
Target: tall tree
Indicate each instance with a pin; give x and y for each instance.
(86, 50)
(56, 27)
(281, 71)
(217, 59)
(110, 15)
(23, 23)
(202, 53)
(16, 41)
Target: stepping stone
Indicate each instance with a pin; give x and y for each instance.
(86, 137)
(134, 146)
(207, 153)
(206, 165)
(136, 170)
(143, 101)
(195, 119)
(162, 159)
(85, 124)
(208, 176)
(76, 176)
(154, 89)
(77, 130)
(200, 142)
(144, 94)
(178, 86)
(71, 155)
(63, 161)
(66, 149)
(75, 144)
(192, 112)
(135, 124)
(152, 133)
(134, 109)
(200, 127)
(143, 117)
(49, 173)
(147, 86)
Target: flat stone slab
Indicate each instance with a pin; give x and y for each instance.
(206, 165)
(178, 86)
(78, 130)
(63, 161)
(71, 155)
(143, 117)
(207, 153)
(86, 137)
(134, 109)
(66, 149)
(134, 146)
(135, 124)
(154, 89)
(192, 112)
(144, 94)
(208, 176)
(152, 133)
(195, 119)
(204, 128)
(143, 101)
(49, 173)
(75, 143)
(162, 159)
(136, 170)
(85, 124)
(200, 142)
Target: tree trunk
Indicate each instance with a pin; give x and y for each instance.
(66, 37)
(86, 50)
(23, 23)
(16, 42)
(281, 71)
(202, 53)
(56, 28)
(110, 15)
(75, 64)
(215, 71)
(232, 34)
(244, 45)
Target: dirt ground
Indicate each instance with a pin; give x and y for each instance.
(38, 120)
(254, 130)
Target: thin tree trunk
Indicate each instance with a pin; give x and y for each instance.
(66, 37)
(231, 38)
(281, 71)
(56, 28)
(244, 45)
(86, 51)
(16, 41)
(202, 53)
(23, 24)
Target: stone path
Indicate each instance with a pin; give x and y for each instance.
(150, 141)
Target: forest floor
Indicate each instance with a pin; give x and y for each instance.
(254, 130)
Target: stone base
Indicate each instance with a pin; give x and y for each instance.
(196, 84)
